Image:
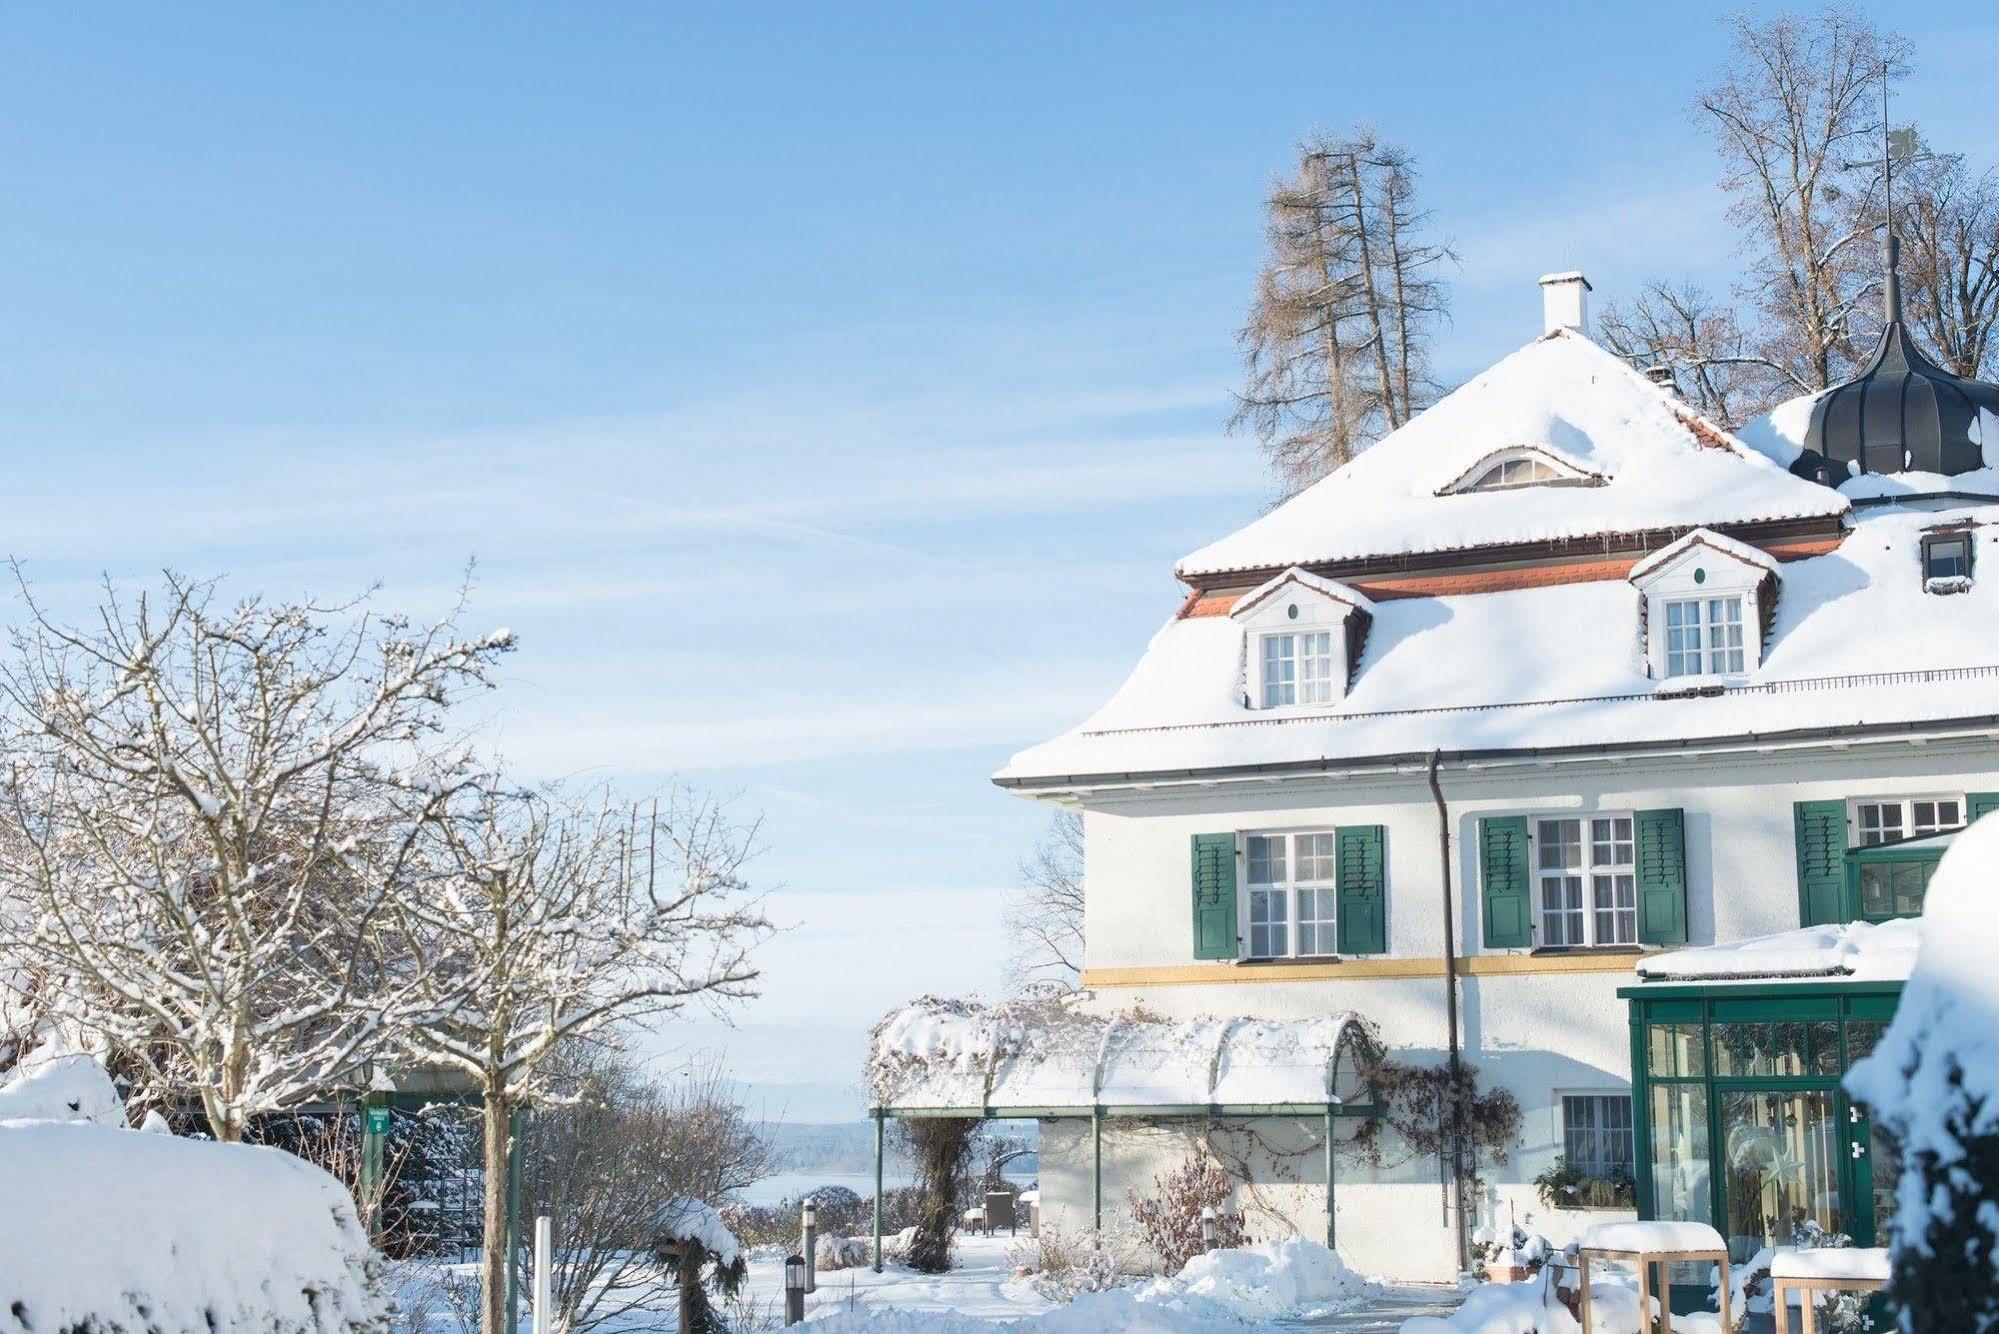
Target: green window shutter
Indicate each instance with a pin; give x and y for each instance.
(1821, 843)
(1662, 877)
(1363, 907)
(1504, 883)
(1214, 896)
(1979, 803)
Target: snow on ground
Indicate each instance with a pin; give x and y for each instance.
(114, 1229)
(1269, 1285)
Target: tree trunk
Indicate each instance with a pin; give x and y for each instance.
(493, 1250)
(1372, 292)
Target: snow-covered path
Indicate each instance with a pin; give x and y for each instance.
(982, 1285)
(1387, 1311)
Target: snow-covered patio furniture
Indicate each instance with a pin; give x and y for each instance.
(1804, 1272)
(1000, 1213)
(974, 1220)
(1647, 1244)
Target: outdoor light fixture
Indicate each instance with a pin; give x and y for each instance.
(794, 1289)
(809, 1243)
(1210, 1226)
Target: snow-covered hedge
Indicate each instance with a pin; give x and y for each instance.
(116, 1230)
(1933, 1081)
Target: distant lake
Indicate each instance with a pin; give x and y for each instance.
(786, 1185)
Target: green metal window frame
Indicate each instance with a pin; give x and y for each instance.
(1883, 854)
(1707, 1005)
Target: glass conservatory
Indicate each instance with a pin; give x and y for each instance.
(1741, 1117)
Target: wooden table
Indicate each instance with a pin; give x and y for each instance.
(1806, 1285)
(1645, 1260)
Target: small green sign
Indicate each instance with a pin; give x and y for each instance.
(378, 1120)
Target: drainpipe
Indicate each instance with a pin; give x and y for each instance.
(1451, 1007)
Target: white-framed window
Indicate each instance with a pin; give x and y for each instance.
(1585, 880)
(1298, 667)
(1597, 1135)
(1514, 472)
(1292, 885)
(1704, 636)
(1887, 819)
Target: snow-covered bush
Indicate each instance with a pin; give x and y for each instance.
(834, 1252)
(108, 1229)
(1933, 1084)
(52, 1084)
(1062, 1265)
(1512, 1247)
(1170, 1218)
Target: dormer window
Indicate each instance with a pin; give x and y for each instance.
(1303, 635)
(1513, 472)
(1298, 668)
(1703, 604)
(1704, 637)
(1520, 466)
(1947, 562)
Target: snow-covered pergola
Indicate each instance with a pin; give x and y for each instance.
(1046, 1061)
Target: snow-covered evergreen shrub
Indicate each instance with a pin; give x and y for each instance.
(1169, 1220)
(1933, 1084)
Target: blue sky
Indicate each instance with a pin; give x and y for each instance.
(824, 392)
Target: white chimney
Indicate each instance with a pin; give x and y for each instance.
(1565, 302)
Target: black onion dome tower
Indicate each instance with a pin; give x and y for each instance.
(1901, 413)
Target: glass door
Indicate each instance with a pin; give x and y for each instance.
(1783, 1166)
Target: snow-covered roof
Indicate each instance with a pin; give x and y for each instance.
(958, 1054)
(1779, 435)
(1663, 467)
(1854, 951)
(1294, 577)
(1855, 641)
(1710, 540)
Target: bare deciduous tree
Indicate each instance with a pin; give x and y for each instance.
(609, 1166)
(1948, 219)
(551, 920)
(1794, 117)
(1044, 916)
(204, 818)
(1336, 341)
(1684, 330)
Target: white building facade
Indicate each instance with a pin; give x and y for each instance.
(1554, 677)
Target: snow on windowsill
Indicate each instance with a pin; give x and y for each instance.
(1948, 583)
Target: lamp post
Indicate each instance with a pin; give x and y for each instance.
(811, 1239)
(1210, 1227)
(794, 1289)
(544, 1247)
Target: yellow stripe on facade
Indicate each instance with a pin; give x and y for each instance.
(1481, 965)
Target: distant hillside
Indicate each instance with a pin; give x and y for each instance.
(845, 1147)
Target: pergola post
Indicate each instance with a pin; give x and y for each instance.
(1331, 1113)
(1097, 1168)
(881, 1125)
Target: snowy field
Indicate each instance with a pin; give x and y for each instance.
(1291, 1285)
